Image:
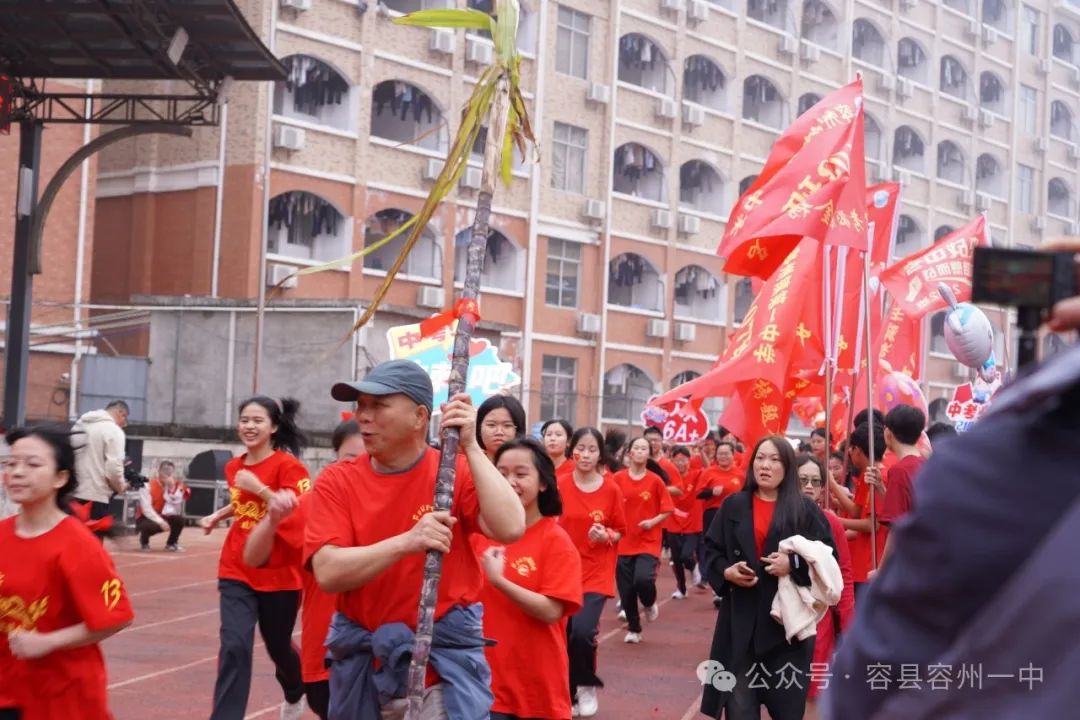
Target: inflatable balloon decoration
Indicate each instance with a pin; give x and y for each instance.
(969, 336)
(897, 388)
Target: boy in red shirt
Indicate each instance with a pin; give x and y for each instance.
(684, 525)
(373, 523)
(858, 508)
(903, 428)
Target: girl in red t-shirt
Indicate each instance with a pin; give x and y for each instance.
(60, 594)
(556, 435)
(648, 505)
(270, 594)
(533, 586)
(594, 517)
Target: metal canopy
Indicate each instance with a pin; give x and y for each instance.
(129, 40)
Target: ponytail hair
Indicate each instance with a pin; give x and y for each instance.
(288, 436)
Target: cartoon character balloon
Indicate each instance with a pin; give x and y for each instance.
(969, 335)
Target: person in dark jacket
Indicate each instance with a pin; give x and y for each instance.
(744, 569)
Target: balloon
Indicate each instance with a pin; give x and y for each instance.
(968, 332)
(896, 388)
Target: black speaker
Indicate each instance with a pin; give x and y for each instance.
(208, 465)
(133, 449)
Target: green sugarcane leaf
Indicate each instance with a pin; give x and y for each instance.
(506, 29)
(367, 250)
(449, 18)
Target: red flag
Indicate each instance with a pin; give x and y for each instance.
(899, 344)
(757, 409)
(813, 185)
(882, 206)
(913, 282)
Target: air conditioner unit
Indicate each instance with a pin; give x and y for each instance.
(689, 224)
(969, 114)
(989, 36)
(685, 332)
(809, 52)
(886, 83)
(788, 45)
(296, 4)
(598, 93)
(477, 51)
(671, 5)
(657, 329)
(904, 88)
(666, 108)
(986, 119)
(965, 200)
(693, 114)
(432, 169)
(1074, 153)
(588, 324)
(442, 41)
(593, 210)
(697, 11)
(277, 273)
(982, 201)
(288, 138)
(1041, 145)
(1044, 66)
(431, 297)
(471, 178)
(1038, 223)
(661, 219)
(972, 28)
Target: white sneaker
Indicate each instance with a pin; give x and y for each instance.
(587, 703)
(678, 595)
(293, 711)
(631, 637)
(622, 615)
(575, 711)
(697, 576)
(652, 612)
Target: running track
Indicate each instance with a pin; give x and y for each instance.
(163, 665)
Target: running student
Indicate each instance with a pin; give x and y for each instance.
(60, 594)
(556, 436)
(533, 586)
(318, 606)
(648, 505)
(268, 595)
(375, 524)
(594, 518)
(717, 483)
(684, 525)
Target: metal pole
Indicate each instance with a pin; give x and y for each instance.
(830, 364)
(268, 149)
(868, 345)
(17, 340)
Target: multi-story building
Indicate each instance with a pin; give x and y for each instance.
(601, 283)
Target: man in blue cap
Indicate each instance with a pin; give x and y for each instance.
(372, 521)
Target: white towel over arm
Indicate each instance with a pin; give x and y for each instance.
(798, 608)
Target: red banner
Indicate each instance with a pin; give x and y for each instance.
(813, 185)
(882, 204)
(913, 282)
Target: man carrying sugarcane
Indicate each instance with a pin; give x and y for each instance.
(371, 524)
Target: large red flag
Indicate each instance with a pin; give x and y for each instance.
(913, 282)
(812, 185)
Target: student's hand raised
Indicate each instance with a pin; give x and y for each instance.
(433, 532)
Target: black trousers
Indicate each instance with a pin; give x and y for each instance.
(683, 556)
(275, 613)
(780, 680)
(581, 643)
(318, 697)
(636, 577)
(706, 520)
(10, 714)
(100, 510)
(147, 528)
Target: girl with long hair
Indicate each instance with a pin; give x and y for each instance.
(594, 518)
(533, 586)
(268, 595)
(745, 567)
(60, 593)
(556, 436)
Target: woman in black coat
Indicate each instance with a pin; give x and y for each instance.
(744, 568)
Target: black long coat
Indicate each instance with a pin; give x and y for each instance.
(744, 628)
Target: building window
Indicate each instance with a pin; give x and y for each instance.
(403, 113)
(626, 390)
(867, 44)
(639, 172)
(872, 138)
(503, 268)
(1030, 37)
(314, 92)
(1059, 199)
(953, 78)
(770, 12)
(744, 296)
(950, 162)
(1025, 188)
(819, 25)
(568, 146)
(425, 260)
(807, 101)
(992, 93)
(943, 231)
(937, 335)
(307, 227)
(643, 63)
(1064, 48)
(701, 188)
(908, 237)
(1029, 108)
(989, 177)
(563, 273)
(558, 388)
(572, 43)
(995, 13)
(762, 102)
(704, 83)
(1061, 121)
(908, 149)
(911, 60)
(634, 283)
(699, 295)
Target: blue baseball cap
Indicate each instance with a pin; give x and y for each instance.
(393, 377)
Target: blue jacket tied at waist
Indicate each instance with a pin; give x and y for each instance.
(358, 691)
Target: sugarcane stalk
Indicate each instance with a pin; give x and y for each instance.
(459, 370)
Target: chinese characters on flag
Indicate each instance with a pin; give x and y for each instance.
(913, 282)
(813, 185)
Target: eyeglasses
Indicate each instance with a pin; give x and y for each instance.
(815, 481)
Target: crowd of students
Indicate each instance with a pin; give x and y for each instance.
(539, 536)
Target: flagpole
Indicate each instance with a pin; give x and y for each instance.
(868, 344)
(829, 363)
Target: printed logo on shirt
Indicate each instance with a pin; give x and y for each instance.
(422, 511)
(304, 486)
(597, 516)
(17, 614)
(524, 566)
(645, 495)
(249, 513)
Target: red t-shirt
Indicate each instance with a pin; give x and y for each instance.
(645, 499)
(669, 467)
(567, 468)
(687, 517)
(280, 471)
(529, 664)
(356, 506)
(862, 561)
(581, 510)
(317, 611)
(47, 583)
(900, 499)
(763, 514)
(731, 480)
